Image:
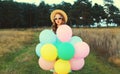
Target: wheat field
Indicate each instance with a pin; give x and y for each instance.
(11, 40)
(104, 41)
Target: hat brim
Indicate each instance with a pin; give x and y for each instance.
(58, 11)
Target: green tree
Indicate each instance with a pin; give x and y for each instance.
(108, 1)
(10, 14)
(98, 12)
(64, 6)
(8, 0)
(29, 14)
(13, 14)
(43, 14)
(112, 12)
(81, 13)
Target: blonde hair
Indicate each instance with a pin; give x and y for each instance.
(54, 25)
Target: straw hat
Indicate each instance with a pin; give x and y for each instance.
(58, 11)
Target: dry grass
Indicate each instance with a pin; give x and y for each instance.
(105, 41)
(24, 61)
(11, 40)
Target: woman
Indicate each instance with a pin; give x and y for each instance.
(58, 17)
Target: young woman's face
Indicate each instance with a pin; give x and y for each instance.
(58, 19)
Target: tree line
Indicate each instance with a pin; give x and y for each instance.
(24, 15)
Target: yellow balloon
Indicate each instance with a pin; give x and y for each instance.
(49, 52)
(60, 73)
(62, 67)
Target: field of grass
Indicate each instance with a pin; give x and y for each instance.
(11, 40)
(104, 41)
(17, 50)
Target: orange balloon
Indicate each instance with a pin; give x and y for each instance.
(46, 65)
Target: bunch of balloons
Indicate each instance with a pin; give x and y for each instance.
(61, 51)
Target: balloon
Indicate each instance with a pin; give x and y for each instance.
(66, 51)
(75, 39)
(81, 50)
(62, 67)
(37, 50)
(64, 33)
(46, 65)
(47, 36)
(57, 42)
(49, 52)
(77, 64)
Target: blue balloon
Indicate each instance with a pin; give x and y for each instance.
(75, 39)
(37, 50)
(47, 36)
(57, 42)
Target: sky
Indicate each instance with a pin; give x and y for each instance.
(36, 2)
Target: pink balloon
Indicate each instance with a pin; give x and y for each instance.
(77, 64)
(46, 65)
(64, 33)
(81, 50)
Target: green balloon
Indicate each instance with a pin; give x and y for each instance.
(66, 51)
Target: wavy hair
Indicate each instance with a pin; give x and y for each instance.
(54, 25)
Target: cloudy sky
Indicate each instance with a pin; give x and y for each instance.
(36, 2)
